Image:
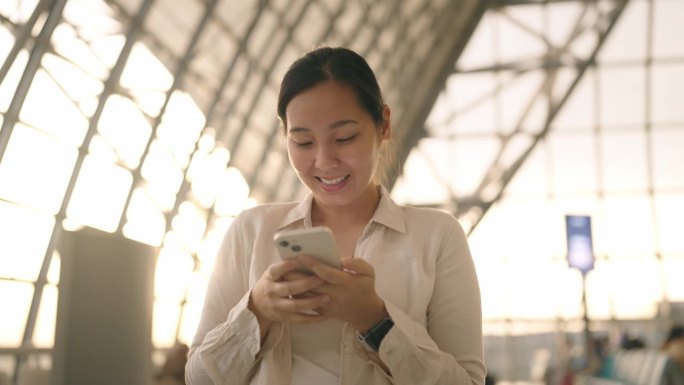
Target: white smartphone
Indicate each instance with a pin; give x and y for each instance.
(317, 242)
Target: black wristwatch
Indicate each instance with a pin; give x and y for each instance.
(375, 335)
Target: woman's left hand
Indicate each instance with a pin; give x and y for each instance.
(352, 292)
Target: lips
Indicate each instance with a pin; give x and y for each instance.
(333, 184)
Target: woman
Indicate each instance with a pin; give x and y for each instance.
(406, 307)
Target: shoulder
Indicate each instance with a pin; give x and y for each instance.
(267, 210)
(435, 228)
(268, 214)
(434, 218)
(253, 223)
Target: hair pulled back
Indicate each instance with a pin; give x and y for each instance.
(332, 63)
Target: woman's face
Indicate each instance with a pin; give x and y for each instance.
(333, 143)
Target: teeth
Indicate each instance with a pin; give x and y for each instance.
(333, 181)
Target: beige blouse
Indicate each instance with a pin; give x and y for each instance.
(424, 273)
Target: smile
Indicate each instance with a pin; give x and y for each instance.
(332, 182)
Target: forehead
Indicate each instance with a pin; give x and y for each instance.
(330, 100)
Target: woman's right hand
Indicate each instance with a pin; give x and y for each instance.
(277, 296)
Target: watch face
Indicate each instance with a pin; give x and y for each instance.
(375, 336)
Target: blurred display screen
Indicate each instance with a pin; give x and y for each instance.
(580, 248)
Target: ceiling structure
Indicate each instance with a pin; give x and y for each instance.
(231, 55)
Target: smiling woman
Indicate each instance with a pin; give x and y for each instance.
(405, 307)
(333, 143)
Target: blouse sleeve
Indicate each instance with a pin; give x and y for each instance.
(227, 345)
(449, 350)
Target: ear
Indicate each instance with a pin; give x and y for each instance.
(386, 128)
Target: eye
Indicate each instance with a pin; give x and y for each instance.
(304, 144)
(346, 140)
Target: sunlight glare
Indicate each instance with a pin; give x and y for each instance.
(24, 235)
(147, 79)
(35, 169)
(180, 127)
(637, 288)
(125, 129)
(173, 274)
(144, 221)
(18, 11)
(17, 297)
(232, 192)
(193, 308)
(44, 334)
(102, 149)
(163, 174)
(674, 284)
(165, 320)
(48, 108)
(72, 48)
(145, 72)
(55, 269)
(99, 194)
(189, 226)
(205, 173)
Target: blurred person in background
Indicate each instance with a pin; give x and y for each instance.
(674, 348)
(173, 370)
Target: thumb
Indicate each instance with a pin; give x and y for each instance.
(358, 266)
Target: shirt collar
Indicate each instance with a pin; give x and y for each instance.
(388, 213)
(301, 212)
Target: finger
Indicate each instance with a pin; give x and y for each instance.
(327, 273)
(278, 269)
(358, 266)
(290, 288)
(295, 275)
(298, 305)
(306, 294)
(305, 318)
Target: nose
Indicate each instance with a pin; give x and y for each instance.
(326, 157)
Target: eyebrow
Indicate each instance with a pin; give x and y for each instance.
(334, 125)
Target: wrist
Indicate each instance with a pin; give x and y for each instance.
(374, 337)
(263, 322)
(371, 318)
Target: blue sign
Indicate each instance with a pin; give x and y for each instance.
(580, 246)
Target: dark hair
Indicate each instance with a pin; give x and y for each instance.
(327, 63)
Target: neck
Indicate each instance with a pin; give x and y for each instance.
(358, 212)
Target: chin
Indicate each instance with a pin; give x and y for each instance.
(341, 198)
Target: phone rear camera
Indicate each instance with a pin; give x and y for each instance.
(296, 248)
(284, 243)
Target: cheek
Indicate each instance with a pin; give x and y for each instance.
(370, 154)
(367, 160)
(298, 160)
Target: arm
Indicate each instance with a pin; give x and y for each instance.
(449, 350)
(224, 315)
(239, 324)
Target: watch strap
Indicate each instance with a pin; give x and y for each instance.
(376, 334)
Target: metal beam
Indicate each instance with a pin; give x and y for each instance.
(178, 78)
(39, 48)
(434, 74)
(235, 145)
(608, 22)
(22, 37)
